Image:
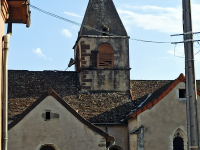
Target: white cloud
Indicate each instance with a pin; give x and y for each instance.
(66, 33)
(39, 52)
(73, 14)
(162, 19)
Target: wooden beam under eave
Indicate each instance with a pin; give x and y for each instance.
(4, 3)
(15, 13)
(18, 12)
(15, 3)
(4, 9)
(24, 14)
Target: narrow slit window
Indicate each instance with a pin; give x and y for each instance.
(182, 93)
(105, 56)
(48, 115)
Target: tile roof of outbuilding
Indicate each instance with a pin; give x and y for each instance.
(51, 92)
(95, 107)
(158, 95)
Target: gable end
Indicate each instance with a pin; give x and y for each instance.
(50, 92)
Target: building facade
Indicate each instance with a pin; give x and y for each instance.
(12, 11)
(139, 114)
(50, 123)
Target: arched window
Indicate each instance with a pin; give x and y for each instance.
(178, 143)
(47, 148)
(105, 56)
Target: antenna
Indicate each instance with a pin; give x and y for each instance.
(71, 62)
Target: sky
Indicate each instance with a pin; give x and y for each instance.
(47, 44)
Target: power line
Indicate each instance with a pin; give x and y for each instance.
(148, 41)
(73, 22)
(56, 16)
(175, 52)
(198, 44)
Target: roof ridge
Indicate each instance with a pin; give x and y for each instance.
(99, 15)
(181, 78)
(150, 80)
(51, 92)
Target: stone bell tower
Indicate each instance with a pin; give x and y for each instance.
(102, 49)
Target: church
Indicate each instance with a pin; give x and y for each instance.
(96, 106)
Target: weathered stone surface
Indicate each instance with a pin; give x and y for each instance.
(99, 13)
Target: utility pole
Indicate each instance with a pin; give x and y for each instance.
(191, 91)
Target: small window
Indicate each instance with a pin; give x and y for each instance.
(105, 56)
(104, 28)
(48, 116)
(182, 93)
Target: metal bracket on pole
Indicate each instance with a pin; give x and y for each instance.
(193, 147)
(186, 33)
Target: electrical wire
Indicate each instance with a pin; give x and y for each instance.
(148, 41)
(175, 52)
(53, 15)
(197, 52)
(197, 47)
(88, 27)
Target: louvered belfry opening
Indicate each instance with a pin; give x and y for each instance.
(105, 56)
(47, 148)
(178, 143)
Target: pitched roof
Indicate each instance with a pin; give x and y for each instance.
(141, 88)
(91, 106)
(158, 95)
(26, 86)
(29, 84)
(50, 92)
(128, 108)
(99, 13)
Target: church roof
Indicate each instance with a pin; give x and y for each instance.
(99, 14)
(29, 84)
(26, 86)
(50, 92)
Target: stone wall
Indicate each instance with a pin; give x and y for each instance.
(92, 78)
(65, 132)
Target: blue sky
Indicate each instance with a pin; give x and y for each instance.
(47, 44)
